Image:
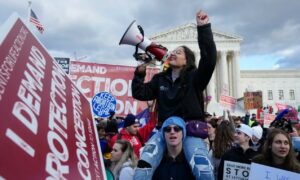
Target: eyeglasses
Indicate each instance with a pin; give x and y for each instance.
(175, 128)
(177, 51)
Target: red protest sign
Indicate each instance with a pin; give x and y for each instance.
(252, 100)
(93, 78)
(228, 102)
(281, 106)
(268, 119)
(47, 129)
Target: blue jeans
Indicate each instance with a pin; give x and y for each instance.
(195, 151)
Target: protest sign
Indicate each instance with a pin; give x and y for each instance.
(268, 119)
(92, 78)
(47, 130)
(103, 103)
(270, 173)
(281, 106)
(64, 63)
(252, 100)
(235, 170)
(228, 102)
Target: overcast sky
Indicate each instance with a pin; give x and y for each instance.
(91, 29)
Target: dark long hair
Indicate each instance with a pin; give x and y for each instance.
(190, 66)
(190, 62)
(224, 138)
(266, 156)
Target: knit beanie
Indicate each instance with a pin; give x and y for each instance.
(174, 120)
(245, 129)
(257, 131)
(130, 119)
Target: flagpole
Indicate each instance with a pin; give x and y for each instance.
(28, 13)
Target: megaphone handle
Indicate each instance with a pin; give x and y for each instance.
(145, 57)
(137, 55)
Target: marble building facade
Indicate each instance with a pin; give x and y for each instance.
(227, 78)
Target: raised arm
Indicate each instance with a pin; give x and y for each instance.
(208, 51)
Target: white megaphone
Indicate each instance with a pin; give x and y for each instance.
(134, 35)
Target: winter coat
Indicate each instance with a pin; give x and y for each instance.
(180, 98)
(137, 141)
(127, 172)
(236, 154)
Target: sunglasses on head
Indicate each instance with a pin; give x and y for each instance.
(175, 128)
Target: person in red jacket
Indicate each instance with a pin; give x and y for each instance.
(135, 134)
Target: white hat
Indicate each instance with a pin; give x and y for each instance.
(257, 131)
(245, 129)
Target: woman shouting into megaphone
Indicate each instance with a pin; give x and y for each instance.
(179, 92)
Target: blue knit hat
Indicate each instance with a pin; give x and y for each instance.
(174, 120)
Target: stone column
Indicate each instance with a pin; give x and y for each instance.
(230, 75)
(211, 87)
(223, 75)
(236, 74)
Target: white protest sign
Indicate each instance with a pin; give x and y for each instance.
(270, 173)
(235, 170)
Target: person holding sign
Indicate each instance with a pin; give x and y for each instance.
(179, 92)
(242, 153)
(278, 152)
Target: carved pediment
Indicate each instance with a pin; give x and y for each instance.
(188, 32)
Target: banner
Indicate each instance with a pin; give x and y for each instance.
(92, 78)
(252, 100)
(47, 130)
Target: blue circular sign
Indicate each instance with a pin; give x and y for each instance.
(103, 103)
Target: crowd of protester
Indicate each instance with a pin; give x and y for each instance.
(230, 138)
(189, 143)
